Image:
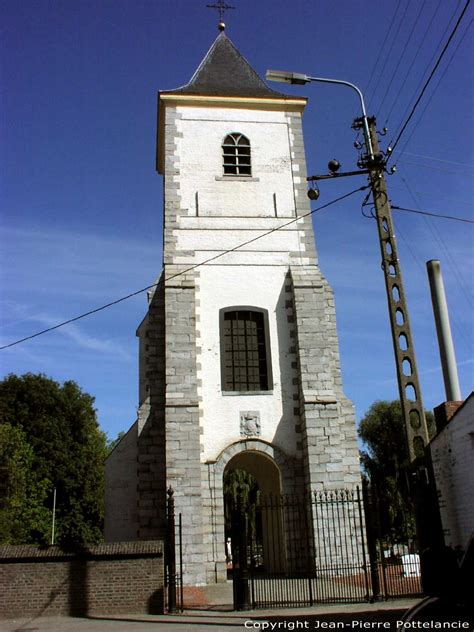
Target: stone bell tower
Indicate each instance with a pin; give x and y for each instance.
(239, 360)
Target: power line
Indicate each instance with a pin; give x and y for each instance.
(434, 167)
(400, 57)
(452, 217)
(422, 268)
(433, 193)
(374, 89)
(173, 276)
(435, 90)
(427, 82)
(432, 58)
(449, 162)
(452, 265)
(379, 57)
(414, 255)
(411, 63)
(450, 259)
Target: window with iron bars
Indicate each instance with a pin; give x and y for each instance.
(236, 155)
(245, 352)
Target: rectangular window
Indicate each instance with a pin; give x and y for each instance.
(244, 351)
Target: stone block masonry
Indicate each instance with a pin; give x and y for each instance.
(183, 466)
(119, 578)
(233, 241)
(151, 457)
(327, 417)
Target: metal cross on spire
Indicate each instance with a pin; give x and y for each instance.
(222, 7)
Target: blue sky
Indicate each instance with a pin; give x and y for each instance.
(82, 204)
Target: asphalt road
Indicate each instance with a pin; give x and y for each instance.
(380, 616)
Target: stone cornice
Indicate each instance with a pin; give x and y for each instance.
(297, 103)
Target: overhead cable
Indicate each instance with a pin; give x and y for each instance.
(430, 62)
(436, 88)
(173, 276)
(386, 36)
(423, 165)
(442, 244)
(400, 57)
(450, 162)
(410, 64)
(381, 74)
(451, 217)
(427, 82)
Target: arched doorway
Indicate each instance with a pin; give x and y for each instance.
(256, 478)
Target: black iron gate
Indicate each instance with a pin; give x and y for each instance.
(289, 551)
(173, 580)
(395, 561)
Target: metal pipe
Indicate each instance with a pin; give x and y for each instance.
(443, 330)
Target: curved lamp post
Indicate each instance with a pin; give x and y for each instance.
(301, 79)
(423, 489)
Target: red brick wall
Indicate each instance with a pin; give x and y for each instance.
(444, 412)
(117, 578)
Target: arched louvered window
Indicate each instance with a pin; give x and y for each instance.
(245, 350)
(236, 154)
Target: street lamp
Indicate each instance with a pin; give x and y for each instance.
(426, 506)
(407, 375)
(301, 79)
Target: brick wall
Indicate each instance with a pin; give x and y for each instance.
(118, 578)
(444, 412)
(452, 452)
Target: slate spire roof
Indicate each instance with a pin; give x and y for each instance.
(225, 72)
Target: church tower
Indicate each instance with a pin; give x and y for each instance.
(239, 360)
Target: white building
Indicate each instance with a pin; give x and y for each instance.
(239, 360)
(452, 452)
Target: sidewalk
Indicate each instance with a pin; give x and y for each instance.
(348, 616)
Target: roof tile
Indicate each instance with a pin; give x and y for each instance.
(225, 72)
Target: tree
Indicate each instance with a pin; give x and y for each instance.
(23, 516)
(113, 443)
(239, 484)
(59, 441)
(385, 460)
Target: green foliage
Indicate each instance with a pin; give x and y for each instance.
(385, 461)
(63, 447)
(239, 484)
(114, 442)
(23, 516)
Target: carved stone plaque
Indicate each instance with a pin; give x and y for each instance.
(250, 423)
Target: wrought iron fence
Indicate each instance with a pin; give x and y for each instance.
(174, 599)
(291, 551)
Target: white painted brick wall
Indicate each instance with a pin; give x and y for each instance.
(259, 286)
(200, 148)
(453, 461)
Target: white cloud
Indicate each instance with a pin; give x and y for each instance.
(82, 339)
(77, 265)
(74, 332)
